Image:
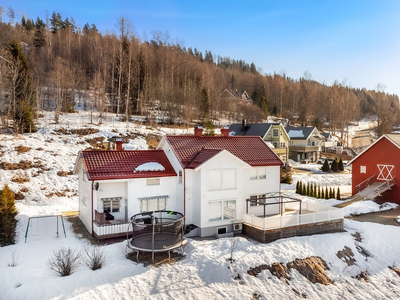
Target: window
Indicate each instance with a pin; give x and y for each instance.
(258, 173)
(261, 199)
(221, 210)
(111, 204)
(283, 145)
(291, 143)
(153, 204)
(275, 144)
(363, 169)
(222, 180)
(275, 132)
(180, 176)
(153, 181)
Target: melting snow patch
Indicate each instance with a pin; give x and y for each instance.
(150, 166)
(296, 133)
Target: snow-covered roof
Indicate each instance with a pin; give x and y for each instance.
(150, 166)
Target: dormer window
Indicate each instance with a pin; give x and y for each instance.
(275, 132)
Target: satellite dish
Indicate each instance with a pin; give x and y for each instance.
(96, 186)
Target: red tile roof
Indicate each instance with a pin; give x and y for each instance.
(202, 157)
(103, 165)
(250, 149)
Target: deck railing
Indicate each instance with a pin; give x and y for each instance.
(319, 213)
(367, 182)
(110, 229)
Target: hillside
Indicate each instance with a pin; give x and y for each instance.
(204, 272)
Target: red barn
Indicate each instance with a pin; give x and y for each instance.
(375, 169)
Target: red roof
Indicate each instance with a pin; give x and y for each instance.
(103, 165)
(192, 151)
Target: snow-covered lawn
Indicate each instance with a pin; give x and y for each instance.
(204, 272)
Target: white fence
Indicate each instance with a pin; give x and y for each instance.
(320, 213)
(110, 229)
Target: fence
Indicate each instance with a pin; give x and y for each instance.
(110, 229)
(319, 213)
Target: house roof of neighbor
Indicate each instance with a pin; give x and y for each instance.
(192, 151)
(299, 133)
(250, 129)
(103, 165)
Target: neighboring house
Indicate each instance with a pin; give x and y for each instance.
(374, 171)
(208, 178)
(236, 95)
(328, 144)
(273, 134)
(305, 143)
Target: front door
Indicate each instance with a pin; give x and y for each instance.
(385, 172)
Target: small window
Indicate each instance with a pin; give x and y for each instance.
(275, 132)
(261, 199)
(262, 173)
(221, 230)
(180, 176)
(363, 169)
(275, 144)
(153, 181)
(253, 201)
(153, 204)
(111, 204)
(253, 174)
(283, 145)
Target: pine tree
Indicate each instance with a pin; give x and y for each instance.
(314, 190)
(322, 193)
(297, 187)
(338, 194)
(325, 167)
(25, 98)
(8, 212)
(333, 194)
(304, 189)
(318, 192)
(334, 166)
(308, 189)
(341, 166)
(326, 193)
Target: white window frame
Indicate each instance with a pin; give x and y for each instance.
(258, 173)
(114, 203)
(275, 130)
(223, 184)
(256, 196)
(363, 169)
(152, 181)
(161, 204)
(223, 209)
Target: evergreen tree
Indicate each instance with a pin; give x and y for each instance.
(338, 194)
(326, 193)
(334, 166)
(341, 166)
(8, 212)
(297, 187)
(325, 167)
(322, 193)
(24, 93)
(308, 189)
(39, 38)
(204, 105)
(318, 192)
(333, 194)
(314, 190)
(304, 190)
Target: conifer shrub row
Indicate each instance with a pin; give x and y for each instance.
(336, 166)
(316, 191)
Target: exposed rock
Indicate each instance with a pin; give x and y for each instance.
(346, 255)
(313, 268)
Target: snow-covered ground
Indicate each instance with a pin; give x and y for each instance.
(204, 272)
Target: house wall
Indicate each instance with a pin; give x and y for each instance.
(383, 152)
(111, 188)
(85, 199)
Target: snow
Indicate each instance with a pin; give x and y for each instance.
(295, 133)
(150, 166)
(204, 272)
(365, 207)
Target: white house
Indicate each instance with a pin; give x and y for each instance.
(207, 178)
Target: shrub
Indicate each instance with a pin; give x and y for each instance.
(94, 257)
(335, 166)
(341, 166)
(325, 167)
(64, 261)
(338, 194)
(286, 177)
(8, 212)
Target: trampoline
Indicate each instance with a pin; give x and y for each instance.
(157, 231)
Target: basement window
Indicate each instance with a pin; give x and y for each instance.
(363, 169)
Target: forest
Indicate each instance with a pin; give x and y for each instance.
(50, 64)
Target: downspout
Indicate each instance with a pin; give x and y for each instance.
(92, 206)
(184, 193)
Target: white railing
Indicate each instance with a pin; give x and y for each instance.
(319, 213)
(110, 228)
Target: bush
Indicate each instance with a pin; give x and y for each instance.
(8, 212)
(335, 166)
(325, 167)
(64, 261)
(338, 194)
(94, 257)
(286, 177)
(341, 166)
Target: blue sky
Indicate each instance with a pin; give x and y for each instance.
(353, 41)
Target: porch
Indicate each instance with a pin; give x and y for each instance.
(294, 219)
(105, 228)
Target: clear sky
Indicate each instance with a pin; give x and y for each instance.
(352, 41)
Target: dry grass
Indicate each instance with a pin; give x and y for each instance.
(64, 173)
(20, 179)
(24, 190)
(22, 149)
(19, 196)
